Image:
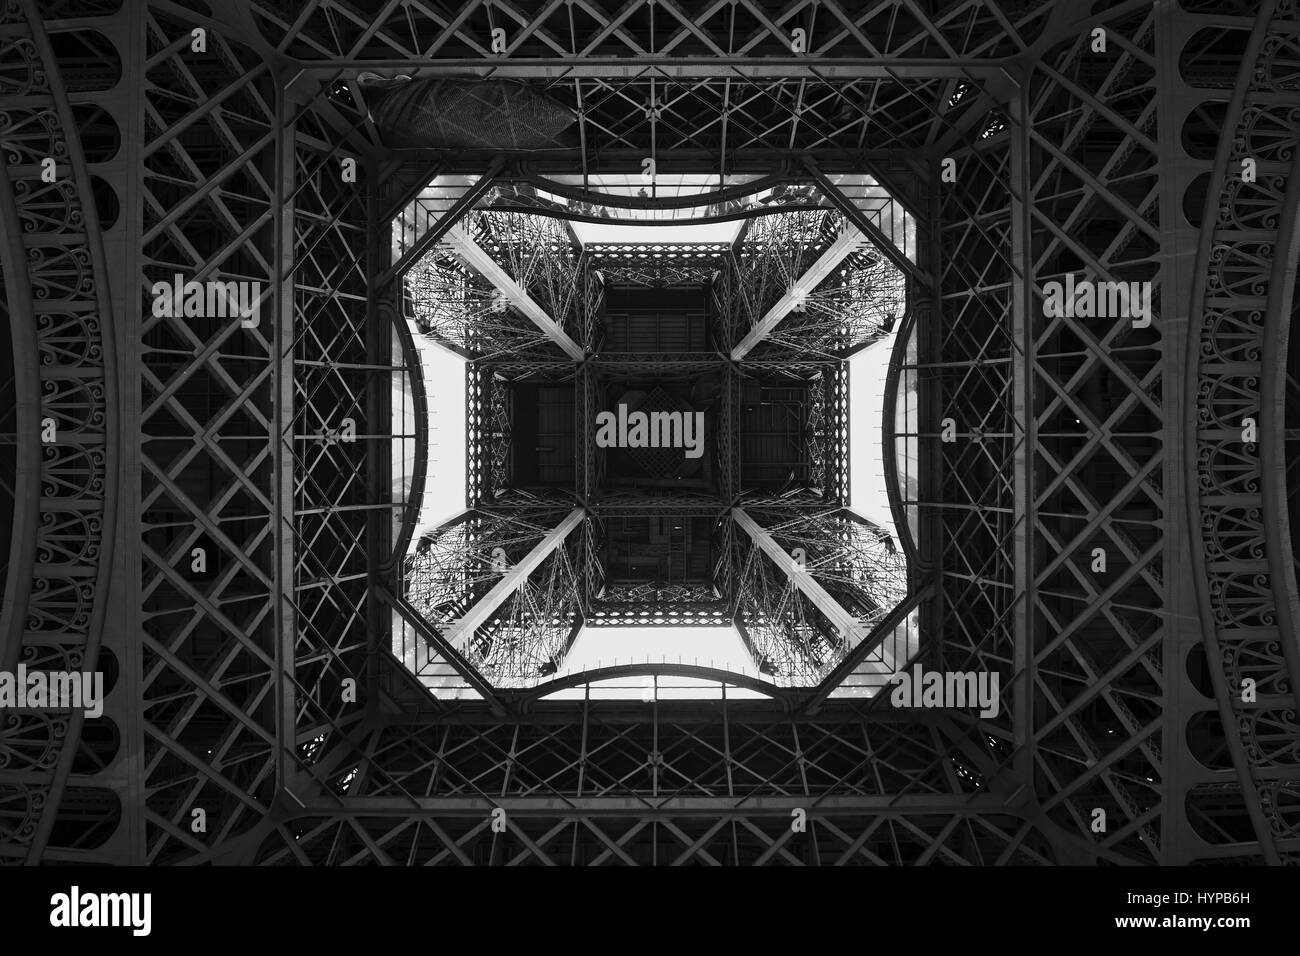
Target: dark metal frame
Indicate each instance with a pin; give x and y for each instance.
(228, 690)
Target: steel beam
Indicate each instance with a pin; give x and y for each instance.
(564, 806)
(684, 68)
(879, 633)
(843, 622)
(443, 647)
(485, 265)
(435, 232)
(859, 219)
(1024, 552)
(849, 242)
(461, 630)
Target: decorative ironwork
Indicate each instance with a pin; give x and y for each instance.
(1245, 292)
(66, 438)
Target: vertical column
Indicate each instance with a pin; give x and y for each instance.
(124, 598)
(282, 419)
(1023, 422)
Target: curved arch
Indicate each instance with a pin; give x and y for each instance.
(888, 451)
(709, 198)
(76, 245)
(419, 396)
(1278, 544)
(725, 205)
(94, 242)
(659, 669)
(745, 213)
(1193, 445)
(27, 442)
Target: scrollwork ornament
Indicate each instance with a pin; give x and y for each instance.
(1279, 65)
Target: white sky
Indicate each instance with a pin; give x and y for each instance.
(719, 647)
(596, 232)
(444, 382)
(867, 371)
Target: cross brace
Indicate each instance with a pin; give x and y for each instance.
(460, 631)
(843, 622)
(850, 241)
(485, 265)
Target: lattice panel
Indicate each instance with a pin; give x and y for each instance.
(740, 771)
(1098, 464)
(209, 682)
(970, 361)
(888, 31)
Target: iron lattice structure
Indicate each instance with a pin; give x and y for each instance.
(833, 319)
(1120, 690)
(856, 562)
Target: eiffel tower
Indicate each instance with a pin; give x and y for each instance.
(362, 587)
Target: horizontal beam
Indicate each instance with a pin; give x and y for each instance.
(459, 631)
(656, 668)
(850, 241)
(667, 67)
(478, 259)
(705, 807)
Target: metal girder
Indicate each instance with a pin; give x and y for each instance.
(649, 838)
(854, 658)
(677, 806)
(56, 593)
(1244, 271)
(742, 68)
(790, 634)
(897, 34)
(626, 749)
(455, 566)
(1178, 238)
(448, 220)
(600, 779)
(868, 228)
(462, 629)
(849, 242)
(844, 623)
(446, 650)
(1093, 678)
(1023, 473)
(478, 259)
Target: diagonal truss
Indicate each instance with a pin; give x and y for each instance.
(806, 283)
(796, 295)
(811, 587)
(516, 295)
